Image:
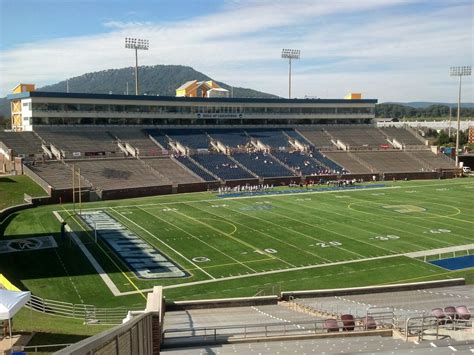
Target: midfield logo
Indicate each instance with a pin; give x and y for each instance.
(27, 244)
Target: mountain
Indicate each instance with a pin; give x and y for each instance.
(154, 80)
(425, 104)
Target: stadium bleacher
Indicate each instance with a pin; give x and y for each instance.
(301, 163)
(222, 166)
(111, 174)
(359, 136)
(22, 143)
(318, 138)
(191, 138)
(433, 161)
(188, 163)
(262, 164)
(402, 135)
(93, 141)
(57, 174)
(233, 138)
(173, 171)
(138, 139)
(159, 137)
(273, 138)
(346, 160)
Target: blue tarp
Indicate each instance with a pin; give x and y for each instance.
(458, 263)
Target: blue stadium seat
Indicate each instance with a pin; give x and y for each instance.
(299, 161)
(194, 168)
(232, 138)
(262, 164)
(271, 137)
(191, 138)
(316, 154)
(222, 166)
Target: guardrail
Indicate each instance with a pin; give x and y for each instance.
(280, 329)
(89, 313)
(140, 335)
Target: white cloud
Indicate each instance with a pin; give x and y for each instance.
(393, 56)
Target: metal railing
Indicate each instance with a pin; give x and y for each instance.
(89, 313)
(134, 337)
(280, 329)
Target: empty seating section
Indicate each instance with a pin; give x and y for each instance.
(402, 135)
(262, 164)
(159, 137)
(96, 141)
(138, 139)
(222, 166)
(233, 138)
(392, 161)
(355, 136)
(172, 170)
(22, 143)
(345, 160)
(300, 162)
(270, 137)
(191, 138)
(119, 174)
(318, 138)
(56, 174)
(295, 135)
(194, 168)
(433, 161)
(332, 165)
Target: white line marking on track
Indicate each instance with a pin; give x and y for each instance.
(452, 348)
(433, 345)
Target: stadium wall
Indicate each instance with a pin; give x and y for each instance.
(373, 289)
(198, 187)
(222, 303)
(136, 192)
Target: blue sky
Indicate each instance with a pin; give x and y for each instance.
(394, 50)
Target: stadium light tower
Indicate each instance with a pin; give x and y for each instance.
(290, 54)
(135, 43)
(459, 71)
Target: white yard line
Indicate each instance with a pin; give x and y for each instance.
(103, 275)
(263, 273)
(165, 244)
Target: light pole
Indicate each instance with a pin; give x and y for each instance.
(459, 71)
(290, 54)
(135, 43)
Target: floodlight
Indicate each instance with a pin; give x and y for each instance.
(136, 44)
(290, 54)
(459, 71)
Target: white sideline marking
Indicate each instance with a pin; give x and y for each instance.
(276, 195)
(103, 275)
(452, 348)
(433, 345)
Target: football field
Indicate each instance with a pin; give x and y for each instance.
(247, 245)
(219, 238)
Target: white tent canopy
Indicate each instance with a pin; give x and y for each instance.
(11, 302)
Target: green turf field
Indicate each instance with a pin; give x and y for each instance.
(233, 247)
(13, 188)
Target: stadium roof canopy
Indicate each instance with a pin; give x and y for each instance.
(181, 99)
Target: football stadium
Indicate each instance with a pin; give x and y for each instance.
(229, 224)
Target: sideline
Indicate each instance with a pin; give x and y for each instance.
(447, 249)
